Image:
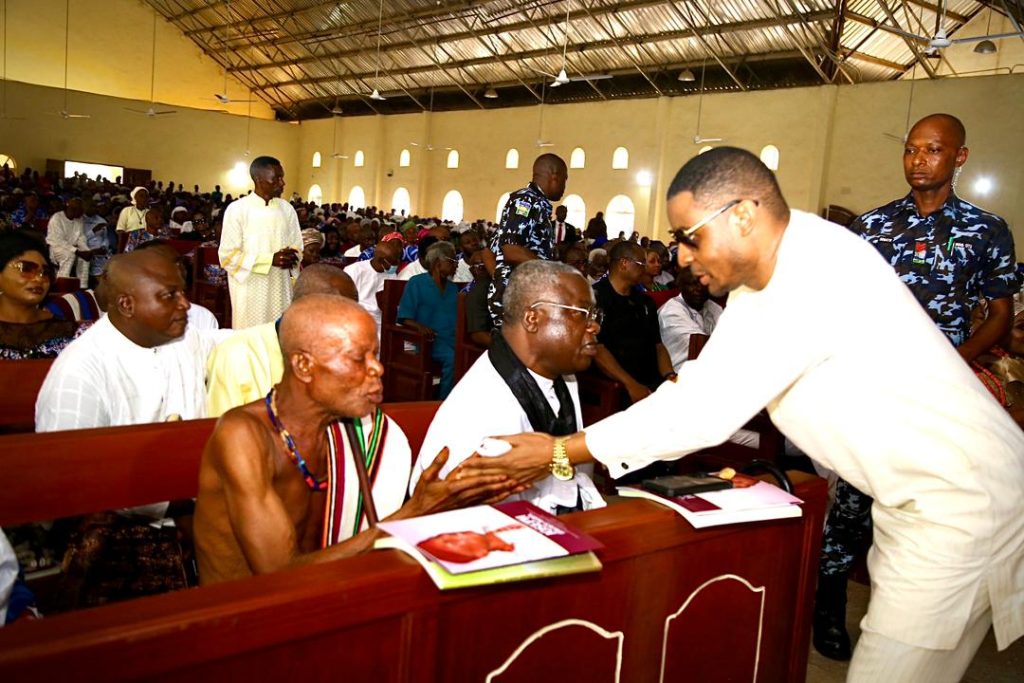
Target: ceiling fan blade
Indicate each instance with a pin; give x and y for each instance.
(698, 140)
(590, 77)
(79, 116)
(163, 113)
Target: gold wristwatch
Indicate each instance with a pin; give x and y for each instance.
(561, 468)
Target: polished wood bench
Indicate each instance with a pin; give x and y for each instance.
(672, 603)
(59, 474)
(20, 382)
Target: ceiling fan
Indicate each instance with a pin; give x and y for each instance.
(941, 40)
(562, 77)
(152, 112)
(698, 139)
(63, 113)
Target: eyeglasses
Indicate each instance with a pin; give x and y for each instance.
(642, 264)
(594, 314)
(685, 236)
(31, 269)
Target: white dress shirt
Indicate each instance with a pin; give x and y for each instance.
(482, 405)
(66, 236)
(103, 379)
(678, 321)
(254, 230)
(368, 282)
(856, 374)
(462, 273)
(411, 270)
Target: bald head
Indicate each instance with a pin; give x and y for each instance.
(322, 278)
(949, 123)
(550, 175)
(323, 324)
(125, 272)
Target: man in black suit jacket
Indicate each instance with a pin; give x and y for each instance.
(565, 234)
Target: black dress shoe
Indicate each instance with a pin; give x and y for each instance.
(830, 637)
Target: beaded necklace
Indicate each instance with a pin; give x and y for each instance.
(312, 482)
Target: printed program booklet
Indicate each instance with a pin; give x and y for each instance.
(756, 503)
(488, 544)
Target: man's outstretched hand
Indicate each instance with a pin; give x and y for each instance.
(433, 494)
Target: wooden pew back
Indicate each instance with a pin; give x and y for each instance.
(20, 381)
(59, 474)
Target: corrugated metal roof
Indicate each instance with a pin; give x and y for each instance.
(299, 55)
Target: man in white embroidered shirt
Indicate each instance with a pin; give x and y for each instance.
(549, 332)
(260, 244)
(828, 338)
(69, 247)
(690, 312)
(125, 369)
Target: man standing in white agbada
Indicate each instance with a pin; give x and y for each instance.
(856, 374)
(260, 245)
(69, 248)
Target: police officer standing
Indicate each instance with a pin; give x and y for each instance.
(525, 231)
(951, 255)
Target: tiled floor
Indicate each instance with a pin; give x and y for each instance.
(988, 666)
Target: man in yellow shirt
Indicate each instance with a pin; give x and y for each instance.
(244, 367)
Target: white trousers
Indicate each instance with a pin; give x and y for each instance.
(879, 658)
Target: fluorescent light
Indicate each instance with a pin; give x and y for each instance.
(644, 179)
(983, 185)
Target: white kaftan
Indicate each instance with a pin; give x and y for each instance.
(65, 237)
(254, 230)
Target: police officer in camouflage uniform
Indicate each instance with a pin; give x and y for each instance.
(951, 254)
(525, 231)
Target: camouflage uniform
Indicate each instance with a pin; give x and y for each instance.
(949, 260)
(526, 222)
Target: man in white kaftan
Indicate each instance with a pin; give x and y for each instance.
(690, 312)
(139, 363)
(69, 248)
(260, 245)
(855, 373)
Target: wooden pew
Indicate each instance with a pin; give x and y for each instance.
(466, 350)
(671, 603)
(59, 474)
(20, 381)
(409, 371)
(213, 294)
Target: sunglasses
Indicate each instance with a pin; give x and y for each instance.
(31, 269)
(686, 234)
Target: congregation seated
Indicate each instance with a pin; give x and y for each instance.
(312, 243)
(69, 248)
(631, 349)
(469, 244)
(576, 256)
(692, 311)
(429, 305)
(363, 238)
(27, 330)
(139, 363)
(244, 367)
(280, 482)
(597, 265)
(331, 252)
(658, 265)
(526, 380)
(418, 266)
(478, 319)
(369, 276)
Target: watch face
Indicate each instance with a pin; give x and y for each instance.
(562, 472)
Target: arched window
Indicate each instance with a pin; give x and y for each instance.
(403, 158)
(356, 198)
(8, 161)
(620, 158)
(770, 157)
(316, 159)
(453, 159)
(512, 158)
(575, 211)
(578, 158)
(360, 159)
(451, 207)
(620, 216)
(704, 149)
(501, 206)
(316, 195)
(401, 202)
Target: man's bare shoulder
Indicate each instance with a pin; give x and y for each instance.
(240, 434)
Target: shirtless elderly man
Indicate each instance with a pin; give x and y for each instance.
(266, 498)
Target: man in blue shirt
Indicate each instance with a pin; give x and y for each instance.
(430, 303)
(525, 231)
(951, 255)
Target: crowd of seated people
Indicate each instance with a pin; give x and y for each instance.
(638, 310)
